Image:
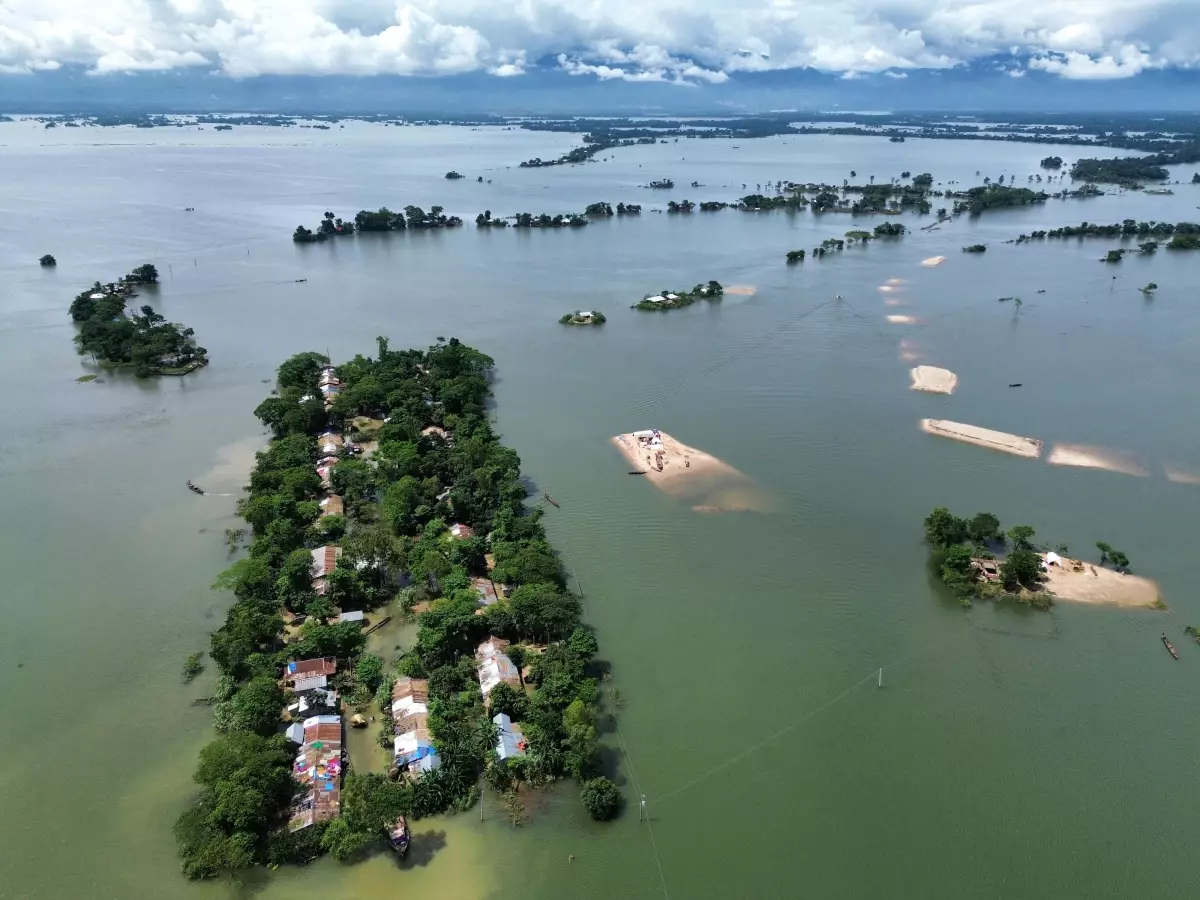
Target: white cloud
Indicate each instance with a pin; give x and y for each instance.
(671, 41)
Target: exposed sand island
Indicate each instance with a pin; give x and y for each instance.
(984, 437)
(909, 351)
(1181, 476)
(1089, 457)
(709, 484)
(933, 380)
(1085, 583)
(742, 290)
(901, 320)
(933, 261)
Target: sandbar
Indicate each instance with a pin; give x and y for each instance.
(708, 483)
(1089, 457)
(901, 320)
(909, 351)
(886, 288)
(933, 380)
(743, 290)
(1086, 583)
(893, 302)
(933, 261)
(984, 437)
(1181, 476)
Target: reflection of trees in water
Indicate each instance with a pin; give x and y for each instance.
(423, 847)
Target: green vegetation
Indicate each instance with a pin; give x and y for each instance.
(1196, 178)
(975, 248)
(760, 203)
(601, 797)
(1109, 554)
(679, 299)
(1127, 228)
(662, 184)
(583, 318)
(1052, 162)
(890, 229)
(192, 666)
(963, 553)
(397, 507)
(1184, 242)
(682, 206)
(994, 196)
(795, 256)
(628, 209)
(485, 220)
(48, 260)
(1194, 632)
(147, 342)
(598, 209)
(1113, 256)
(713, 205)
(382, 219)
(1127, 171)
(528, 220)
(453, 176)
(1149, 288)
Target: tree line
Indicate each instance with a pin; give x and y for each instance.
(382, 219)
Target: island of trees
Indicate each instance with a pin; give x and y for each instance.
(383, 219)
(678, 299)
(583, 317)
(437, 461)
(975, 248)
(453, 176)
(964, 552)
(662, 184)
(48, 260)
(545, 220)
(795, 256)
(143, 341)
(994, 196)
(1052, 162)
(1186, 233)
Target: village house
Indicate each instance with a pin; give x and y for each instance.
(312, 701)
(329, 444)
(510, 740)
(493, 666)
(324, 561)
(413, 744)
(458, 531)
(305, 668)
(331, 505)
(486, 590)
(435, 431)
(325, 470)
(318, 769)
(354, 615)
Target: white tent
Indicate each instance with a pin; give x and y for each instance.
(1053, 559)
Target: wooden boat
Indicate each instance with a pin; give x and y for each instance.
(638, 472)
(398, 836)
(193, 488)
(1170, 647)
(549, 499)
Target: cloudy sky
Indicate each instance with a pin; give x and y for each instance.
(681, 41)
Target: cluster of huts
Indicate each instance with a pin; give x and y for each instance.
(415, 752)
(317, 729)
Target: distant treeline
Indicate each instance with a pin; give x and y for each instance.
(383, 219)
(1185, 235)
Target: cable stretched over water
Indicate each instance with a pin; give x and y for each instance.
(796, 724)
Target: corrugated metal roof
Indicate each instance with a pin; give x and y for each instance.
(494, 666)
(309, 683)
(510, 741)
(486, 590)
(354, 615)
(318, 767)
(298, 668)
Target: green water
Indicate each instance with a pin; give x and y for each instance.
(1009, 754)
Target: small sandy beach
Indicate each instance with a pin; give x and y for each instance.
(933, 380)
(741, 290)
(1087, 583)
(1089, 457)
(933, 261)
(901, 320)
(984, 437)
(710, 484)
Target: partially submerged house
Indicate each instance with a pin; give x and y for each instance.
(305, 668)
(493, 666)
(324, 561)
(486, 590)
(313, 701)
(510, 740)
(318, 769)
(413, 744)
(986, 569)
(354, 615)
(329, 444)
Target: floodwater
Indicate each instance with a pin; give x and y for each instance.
(1007, 754)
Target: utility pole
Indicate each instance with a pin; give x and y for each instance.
(643, 811)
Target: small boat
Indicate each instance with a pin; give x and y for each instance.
(638, 472)
(549, 499)
(1016, 384)
(300, 281)
(194, 489)
(398, 836)
(1170, 647)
